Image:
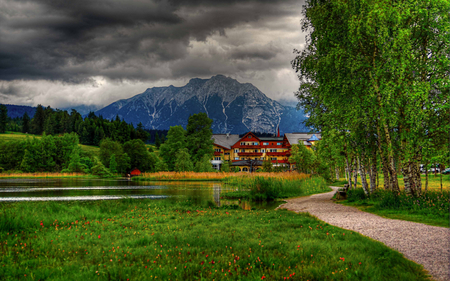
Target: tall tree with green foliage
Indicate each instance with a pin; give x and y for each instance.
(204, 165)
(198, 136)
(75, 164)
(139, 156)
(267, 166)
(99, 169)
(109, 147)
(382, 81)
(3, 118)
(302, 157)
(176, 140)
(226, 166)
(183, 162)
(113, 164)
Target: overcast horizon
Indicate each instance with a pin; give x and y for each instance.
(95, 52)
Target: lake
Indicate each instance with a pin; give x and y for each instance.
(68, 189)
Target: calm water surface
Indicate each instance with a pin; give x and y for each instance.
(200, 193)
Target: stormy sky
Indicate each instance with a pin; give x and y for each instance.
(66, 53)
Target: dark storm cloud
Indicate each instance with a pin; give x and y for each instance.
(73, 41)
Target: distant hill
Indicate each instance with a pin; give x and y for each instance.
(19, 110)
(234, 107)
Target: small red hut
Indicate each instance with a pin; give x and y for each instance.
(135, 172)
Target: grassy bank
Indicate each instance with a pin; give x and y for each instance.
(139, 240)
(271, 188)
(431, 208)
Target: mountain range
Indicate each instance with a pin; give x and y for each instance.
(234, 107)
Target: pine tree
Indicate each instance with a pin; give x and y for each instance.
(157, 140)
(3, 118)
(37, 123)
(25, 123)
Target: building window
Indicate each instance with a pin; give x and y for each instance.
(217, 150)
(278, 143)
(236, 158)
(249, 137)
(262, 150)
(256, 150)
(265, 143)
(255, 143)
(217, 158)
(244, 169)
(273, 158)
(227, 153)
(242, 143)
(273, 150)
(236, 150)
(242, 158)
(262, 158)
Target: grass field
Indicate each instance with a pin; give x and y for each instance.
(430, 208)
(141, 240)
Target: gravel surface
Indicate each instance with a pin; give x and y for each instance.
(424, 244)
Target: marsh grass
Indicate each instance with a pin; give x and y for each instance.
(430, 208)
(213, 176)
(144, 239)
(261, 188)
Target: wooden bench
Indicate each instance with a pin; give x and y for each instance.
(342, 192)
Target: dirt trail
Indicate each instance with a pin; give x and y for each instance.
(423, 244)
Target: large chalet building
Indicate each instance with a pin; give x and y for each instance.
(250, 150)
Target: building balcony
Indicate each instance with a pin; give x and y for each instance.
(250, 154)
(280, 161)
(284, 153)
(247, 146)
(217, 153)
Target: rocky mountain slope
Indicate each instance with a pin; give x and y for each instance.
(234, 107)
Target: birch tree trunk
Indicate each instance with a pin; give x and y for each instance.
(355, 173)
(362, 173)
(349, 175)
(373, 168)
(336, 170)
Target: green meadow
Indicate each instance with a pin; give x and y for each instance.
(145, 239)
(16, 136)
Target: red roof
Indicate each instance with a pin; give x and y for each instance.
(135, 172)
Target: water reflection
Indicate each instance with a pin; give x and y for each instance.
(198, 193)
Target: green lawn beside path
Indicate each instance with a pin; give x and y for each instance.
(146, 239)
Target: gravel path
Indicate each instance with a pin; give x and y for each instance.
(423, 244)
